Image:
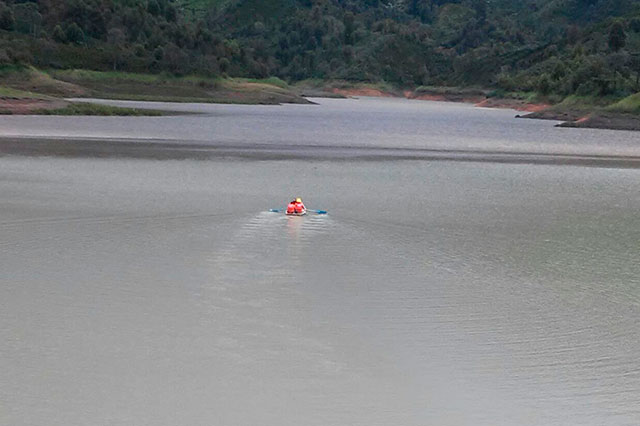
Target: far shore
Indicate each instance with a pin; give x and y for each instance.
(26, 90)
(569, 114)
(31, 91)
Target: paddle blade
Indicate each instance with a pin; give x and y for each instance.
(320, 211)
(275, 210)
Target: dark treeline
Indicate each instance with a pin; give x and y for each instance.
(550, 46)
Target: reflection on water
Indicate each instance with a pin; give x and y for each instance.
(165, 292)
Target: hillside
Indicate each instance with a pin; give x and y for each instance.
(552, 48)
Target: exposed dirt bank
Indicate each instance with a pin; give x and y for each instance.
(29, 106)
(603, 120)
(517, 104)
(588, 119)
(477, 97)
(556, 115)
(363, 91)
(444, 98)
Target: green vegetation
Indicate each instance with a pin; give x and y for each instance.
(169, 88)
(17, 101)
(583, 103)
(14, 101)
(11, 93)
(81, 108)
(28, 79)
(25, 83)
(274, 81)
(630, 104)
(559, 47)
(143, 49)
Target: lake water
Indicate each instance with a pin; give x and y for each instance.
(137, 289)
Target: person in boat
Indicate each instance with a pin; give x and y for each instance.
(291, 208)
(296, 207)
(300, 208)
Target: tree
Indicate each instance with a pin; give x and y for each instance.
(153, 7)
(349, 27)
(28, 18)
(74, 34)
(224, 65)
(170, 13)
(480, 7)
(175, 59)
(617, 37)
(158, 53)
(573, 34)
(4, 57)
(635, 66)
(59, 35)
(7, 20)
(116, 38)
(544, 84)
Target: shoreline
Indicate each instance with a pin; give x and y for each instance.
(478, 97)
(590, 116)
(588, 119)
(27, 91)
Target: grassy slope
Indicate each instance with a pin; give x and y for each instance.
(11, 93)
(34, 81)
(630, 105)
(27, 90)
(81, 108)
(595, 112)
(153, 87)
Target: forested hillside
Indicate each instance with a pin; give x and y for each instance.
(557, 47)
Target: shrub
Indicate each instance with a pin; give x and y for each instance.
(544, 84)
(7, 20)
(4, 57)
(224, 64)
(74, 34)
(153, 7)
(59, 35)
(617, 37)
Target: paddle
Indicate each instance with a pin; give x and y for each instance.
(312, 211)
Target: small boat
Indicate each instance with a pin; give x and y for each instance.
(302, 213)
(296, 208)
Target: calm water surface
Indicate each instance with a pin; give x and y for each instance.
(147, 292)
(337, 123)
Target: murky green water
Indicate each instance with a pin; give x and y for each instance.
(163, 292)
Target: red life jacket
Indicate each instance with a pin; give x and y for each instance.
(299, 207)
(291, 208)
